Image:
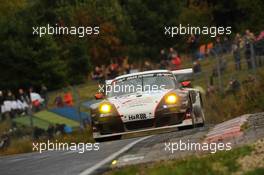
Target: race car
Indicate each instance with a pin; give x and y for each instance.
(145, 101)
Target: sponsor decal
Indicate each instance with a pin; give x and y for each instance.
(141, 116)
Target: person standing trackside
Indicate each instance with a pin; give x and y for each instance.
(236, 51)
(176, 62)
(163, 59)
(24, 99)
(44, 95)
(192, 46)
(248, 39)
(218, 46)
(68, 100)
(10, 104)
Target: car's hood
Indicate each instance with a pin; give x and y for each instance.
(138, 103)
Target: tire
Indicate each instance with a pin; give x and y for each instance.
(193, 115)
(193, 111)
(202, 111)
(198, 113)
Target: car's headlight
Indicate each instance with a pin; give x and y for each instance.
(105, 108)
(171, 99)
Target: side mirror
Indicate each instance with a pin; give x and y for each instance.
(99, 96)
(186, 84)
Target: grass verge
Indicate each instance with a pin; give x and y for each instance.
(25, 144)
(220, 163)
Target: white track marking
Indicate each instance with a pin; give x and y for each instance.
(111, 157)
(133, 158)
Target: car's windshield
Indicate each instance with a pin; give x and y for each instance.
(147, 82)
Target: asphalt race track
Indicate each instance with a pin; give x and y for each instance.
(59, 162)
(89, 162)
(131, 151)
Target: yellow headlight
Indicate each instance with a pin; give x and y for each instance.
(105, 108)
(171, 99)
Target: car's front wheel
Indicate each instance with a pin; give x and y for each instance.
(197, 116)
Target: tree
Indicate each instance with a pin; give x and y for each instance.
(27, 60)
(78, 64)
(148, 19)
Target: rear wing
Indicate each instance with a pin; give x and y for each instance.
(183, 71)
(183, 74)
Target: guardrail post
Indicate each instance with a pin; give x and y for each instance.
(78, 106)
(30, 114)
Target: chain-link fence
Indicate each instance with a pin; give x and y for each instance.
(221, 68)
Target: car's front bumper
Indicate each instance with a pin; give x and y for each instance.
(113, 125)
(186, 122)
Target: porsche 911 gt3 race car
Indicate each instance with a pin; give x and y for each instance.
(145, 101)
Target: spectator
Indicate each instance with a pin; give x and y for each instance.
(260, 36)
(113, 70)
(249, 39)
(193, 45)
(10, 104)
(59, 102)
(44, 95)
(5, 141)
(226, 45)
(36, 100)
(97, 74)
(147, 66)
(163, 64)
(176, 61)
(59, 129)
(218, 48)
(259, 51)
(163, 59)
(233, 86)
(196, 67)
(163, 55)
(133, 69)
(209, 48)
(236, 52)
(104, 74)
(171, 54)
(202, 52)
(125, 66)
(68, 100)
(38, 132)
(24, 100)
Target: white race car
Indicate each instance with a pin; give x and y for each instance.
(145, 101)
